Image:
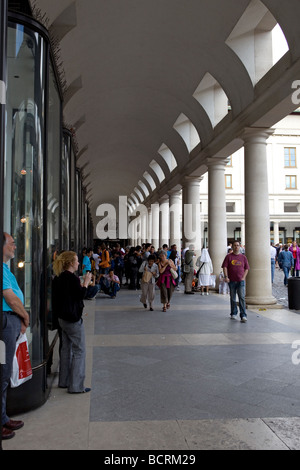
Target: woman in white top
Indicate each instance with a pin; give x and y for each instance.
(205, 270)
(148, 284)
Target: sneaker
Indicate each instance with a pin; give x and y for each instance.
(243, 319)
(233, 317)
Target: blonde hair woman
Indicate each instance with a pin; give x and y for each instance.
(67, 305)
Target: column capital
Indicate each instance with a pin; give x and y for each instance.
(191, 180)
(164, 199)
(174, 192)
(256, 134)
(216, 162)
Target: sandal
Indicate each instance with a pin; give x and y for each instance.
(168, 305)
(164, 309)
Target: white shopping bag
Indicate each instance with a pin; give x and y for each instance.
(21, 369)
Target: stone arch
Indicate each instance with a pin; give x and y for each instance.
(187, 131)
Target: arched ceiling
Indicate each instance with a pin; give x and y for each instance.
(133, 66)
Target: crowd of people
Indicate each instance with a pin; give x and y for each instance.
(104, 269)
(287, 258)
(115, 267)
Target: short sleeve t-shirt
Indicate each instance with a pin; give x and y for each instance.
(236, 266)
(10, 282)
(86, 262)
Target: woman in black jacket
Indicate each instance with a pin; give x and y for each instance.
(67, 305)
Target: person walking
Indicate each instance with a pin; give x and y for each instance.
(285, 261)
(205, 270)
(67, 303)
(235, 267)
(188, 269)
(295, 250)
(15, 321)
(150, 273)
(273, 254)
(175, 258)
(165, 282)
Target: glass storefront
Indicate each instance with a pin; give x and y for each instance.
(53, 188)
(44, 202)
(24, 204)
(65, 192)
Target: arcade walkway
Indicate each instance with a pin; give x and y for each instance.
(187, 379)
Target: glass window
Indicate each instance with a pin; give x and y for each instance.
(65, 192)
(53, 182)
(291, 207)
(78, 211)
(74, 231)
(24, 205)
(291, 182)
(230, 206)
(228, 181)
(290, 157)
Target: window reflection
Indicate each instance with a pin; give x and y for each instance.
(53, 188)
(24, 169)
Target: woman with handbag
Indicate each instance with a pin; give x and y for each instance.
(149, 271)
(174, 257)
(166, 281)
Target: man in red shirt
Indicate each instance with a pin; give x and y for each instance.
(235, 267)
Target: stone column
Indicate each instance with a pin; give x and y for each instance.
(175, 213)
(155, 225)
(164, 228)
(191, 222)
(217, 222)
(138, 230)
(149, 226)
(242, 232)
(144, 225)
(257, 218)
(276, 232)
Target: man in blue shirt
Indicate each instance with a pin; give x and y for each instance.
(86, 262)
(15, 320)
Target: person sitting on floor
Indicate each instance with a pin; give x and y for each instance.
(109, 283)
(92, 289)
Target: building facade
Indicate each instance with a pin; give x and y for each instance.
(283, 153)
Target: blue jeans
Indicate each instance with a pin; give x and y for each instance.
(92, 291)
(286, 272)
(109, 288)
(11, 331)
(272, 269)
(72, 356)
(237, 288)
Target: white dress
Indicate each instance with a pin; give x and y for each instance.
(206, 268)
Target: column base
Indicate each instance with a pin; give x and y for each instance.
(257, 302)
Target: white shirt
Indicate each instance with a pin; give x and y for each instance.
(273, 252)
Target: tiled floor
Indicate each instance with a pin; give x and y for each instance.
(187, 379)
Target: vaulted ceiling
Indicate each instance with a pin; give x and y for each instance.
(140, 74)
